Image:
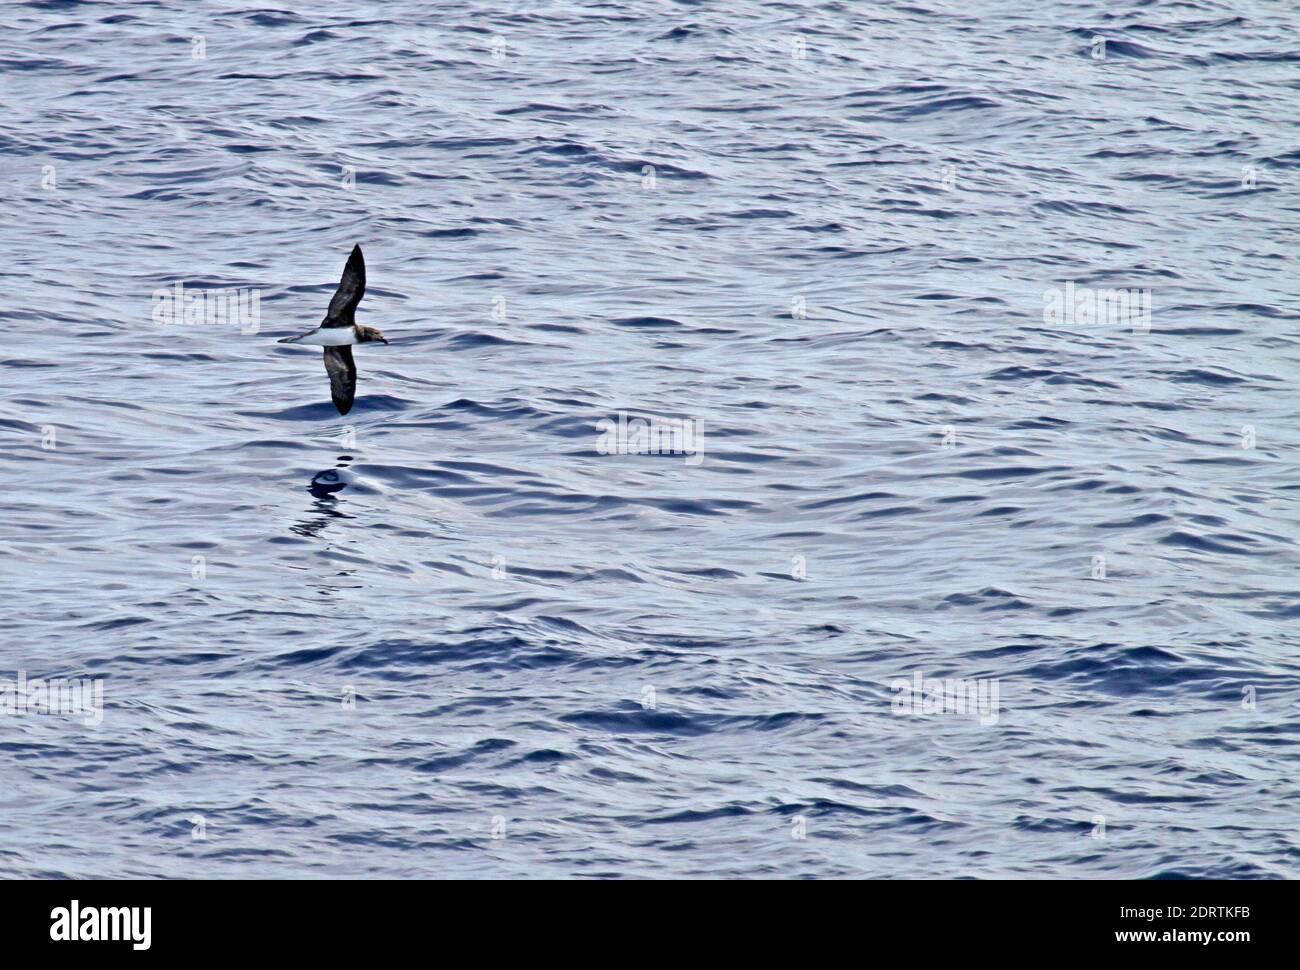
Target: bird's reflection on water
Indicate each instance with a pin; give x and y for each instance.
(325, 486)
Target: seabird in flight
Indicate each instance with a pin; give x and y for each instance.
(340, 330)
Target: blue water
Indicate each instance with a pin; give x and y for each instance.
(448, 636)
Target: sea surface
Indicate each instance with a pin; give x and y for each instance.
(463, 631)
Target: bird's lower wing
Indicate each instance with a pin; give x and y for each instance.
(343, 377)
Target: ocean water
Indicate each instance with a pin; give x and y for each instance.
(452, 634)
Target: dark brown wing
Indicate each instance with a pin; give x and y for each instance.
(352, 287)
(343, 377)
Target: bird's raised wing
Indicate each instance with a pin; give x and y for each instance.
(352, 287)
(343, 377)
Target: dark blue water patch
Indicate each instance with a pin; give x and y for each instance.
(1060, 826)
(1136, 522)
(542, 756)
(1284, 57)
(559, 328)
(1112, 669)
(325, 412)
(1041, 422)
(32, 64)
(1002, 510)
(952, 104)
(1210, 378)
(479, 749)
(829, 808)
(848, 500)
(988, 600)
(889, 513)
(707, 573)
(276, 18)
(647, 323)
(315, 37)
(760, 214)
(1218, 543)
(1075, 208)
(475, 340)
(1001, 472)
(14, 424)
(463, 232)
(118, 623)
(502, 412)
(643, 722)
(1282, 610)
(699, 815)
(544, 108)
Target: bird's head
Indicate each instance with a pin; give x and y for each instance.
(367, 334)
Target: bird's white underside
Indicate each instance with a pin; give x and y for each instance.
(329, 337)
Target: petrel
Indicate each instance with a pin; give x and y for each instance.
(340, 330)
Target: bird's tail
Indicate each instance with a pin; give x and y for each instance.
(290, 340)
